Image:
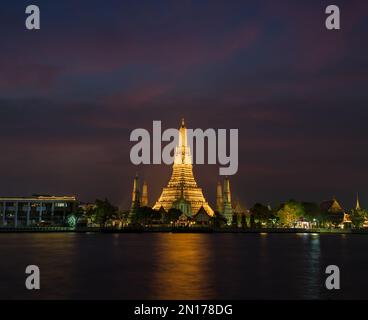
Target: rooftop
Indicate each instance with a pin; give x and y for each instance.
(39, 198)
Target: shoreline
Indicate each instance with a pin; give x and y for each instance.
(179, 230)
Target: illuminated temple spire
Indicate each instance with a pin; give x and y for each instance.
(182, 151)
(219, 198)
(182, 185)
(135, 195)
(144, 197)
(357, 205)
(227, 208)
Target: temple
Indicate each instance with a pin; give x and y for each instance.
(182, 191)
(144, 196)
(136, 203)
(223, 201)
(227, 210)
(219, 198)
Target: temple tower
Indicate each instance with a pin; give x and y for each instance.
(144, 197)
(135, 196)
(227, 208)
(183, 205)
(219, 198)
(357, 205)
(182, 184)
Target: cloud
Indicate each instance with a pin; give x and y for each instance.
(31, 75)
(71, 94)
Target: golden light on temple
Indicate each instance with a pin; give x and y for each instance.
(182, 191)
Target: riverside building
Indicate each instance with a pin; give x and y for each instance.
(35, 210)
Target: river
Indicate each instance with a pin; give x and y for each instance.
(183, 266)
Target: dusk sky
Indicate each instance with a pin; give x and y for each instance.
(71, 93)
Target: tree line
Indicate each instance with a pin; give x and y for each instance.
(286, 214)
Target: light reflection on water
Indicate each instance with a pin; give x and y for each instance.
(183, 266)
(313, 269)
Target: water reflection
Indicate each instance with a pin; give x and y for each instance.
(313, 268)
(183, 267)
(263, 252)
(55, 255)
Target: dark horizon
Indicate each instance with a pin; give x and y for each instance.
(71, 93)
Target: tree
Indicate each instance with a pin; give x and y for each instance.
(104, 211)
(90, 214)
(172, 215)
(145, 215)
(290, 212)
(156, 215)
(261, 214)
(334, 218)
(234, 220)
(124, 216)
(244, 221)
(252, 222)
(311, 210)
(218, 220)
(357, 218)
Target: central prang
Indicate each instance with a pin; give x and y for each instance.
(182, 191)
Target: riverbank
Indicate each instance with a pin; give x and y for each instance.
(178, 230)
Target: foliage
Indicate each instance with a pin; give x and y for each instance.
(104, 211)
(218, 220)
(252, 222)
(333, 218)
(234, 220)
(261, 214)
(172, 216)
(312, 211)
(146, 216)
(244, 221)
(290, 212)
(357, 218)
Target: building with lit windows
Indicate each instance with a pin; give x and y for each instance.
(36, 210)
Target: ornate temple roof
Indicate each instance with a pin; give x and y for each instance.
(202, 215)
(332, 206)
